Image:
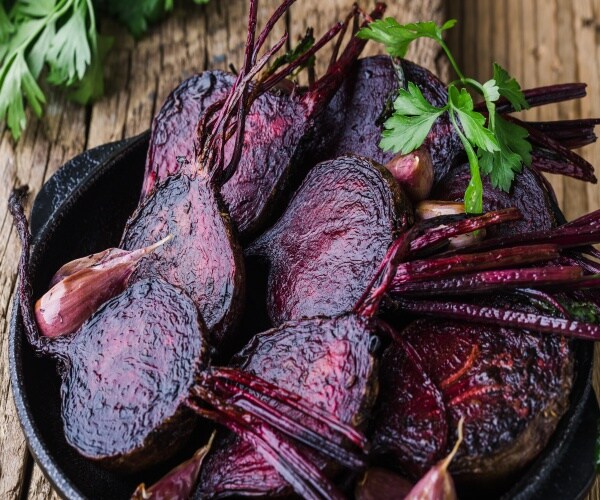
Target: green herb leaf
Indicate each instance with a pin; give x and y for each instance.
(473, 123)
(508, 87)
(515, 150)
(17, 81)
(396, 37)
(408, 127)
(6, 28)
(91, 86)
(69, 53)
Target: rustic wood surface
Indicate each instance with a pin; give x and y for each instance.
(540, 41)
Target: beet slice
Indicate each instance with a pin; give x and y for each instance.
(356, 114)
(203, 258)
(410, 428)
(174, 127)
(112, 376)
(329, 362)
(511, 387)
(281, 132)
(331, 238)
(528, 193)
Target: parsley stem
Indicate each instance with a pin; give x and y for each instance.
(451, 59)
(474, 192)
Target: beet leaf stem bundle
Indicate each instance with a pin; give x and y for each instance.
(497, 147)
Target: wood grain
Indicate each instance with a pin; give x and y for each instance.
(139, 76)
(539, 41)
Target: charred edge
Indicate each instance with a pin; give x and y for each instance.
(540, 96)
(318, 95)
(303, 476)
(502, 317)
(41, 344)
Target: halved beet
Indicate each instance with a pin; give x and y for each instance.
(127, 373)
(356, 114)
(325, 249)
(529, 194)
(174, 128)
(203, 258)
(511, 387)
(328, 362)
(281, 131)
(410, 427)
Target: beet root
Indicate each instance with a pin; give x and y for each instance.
(174, 127)
(203, 258)
(510, 386)
(330, 240)
(328, 362)
(115, 371)
(356, 114)
(410, 426)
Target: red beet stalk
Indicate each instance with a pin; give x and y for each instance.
(491, 281)
(570, 133)
(502, 317)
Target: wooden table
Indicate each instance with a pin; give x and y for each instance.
(540, 41)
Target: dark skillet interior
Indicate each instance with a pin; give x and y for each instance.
(83, 209)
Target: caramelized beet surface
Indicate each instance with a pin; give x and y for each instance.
(510, 386)
(325, 249)
(114, 370)
(204, 258)
(328, 362)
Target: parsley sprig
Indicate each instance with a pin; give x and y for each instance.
(60, 37)
(495, 147)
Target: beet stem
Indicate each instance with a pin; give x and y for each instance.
(304, 477)
(491, 281)
(540, 96)
(318, 94)
(42, 345)
(292, 400)
(502, 317)
(299, 432)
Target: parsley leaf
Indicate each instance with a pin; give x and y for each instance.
(515, 150)
(396, 37)
(498, 147)
(473, 123)
(508, 87)
(408, 127)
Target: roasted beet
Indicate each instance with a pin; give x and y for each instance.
(281, 132)
(357, 112)
(528, 193)
(174, 127)
(115, 371)
(324, 250)
(510, 386)
(203, 257)
(410, 427)
(328, 362)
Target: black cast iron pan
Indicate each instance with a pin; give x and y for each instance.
(83, 209)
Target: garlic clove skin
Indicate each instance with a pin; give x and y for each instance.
(81, 286)
(433, 208)
(414, 172)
